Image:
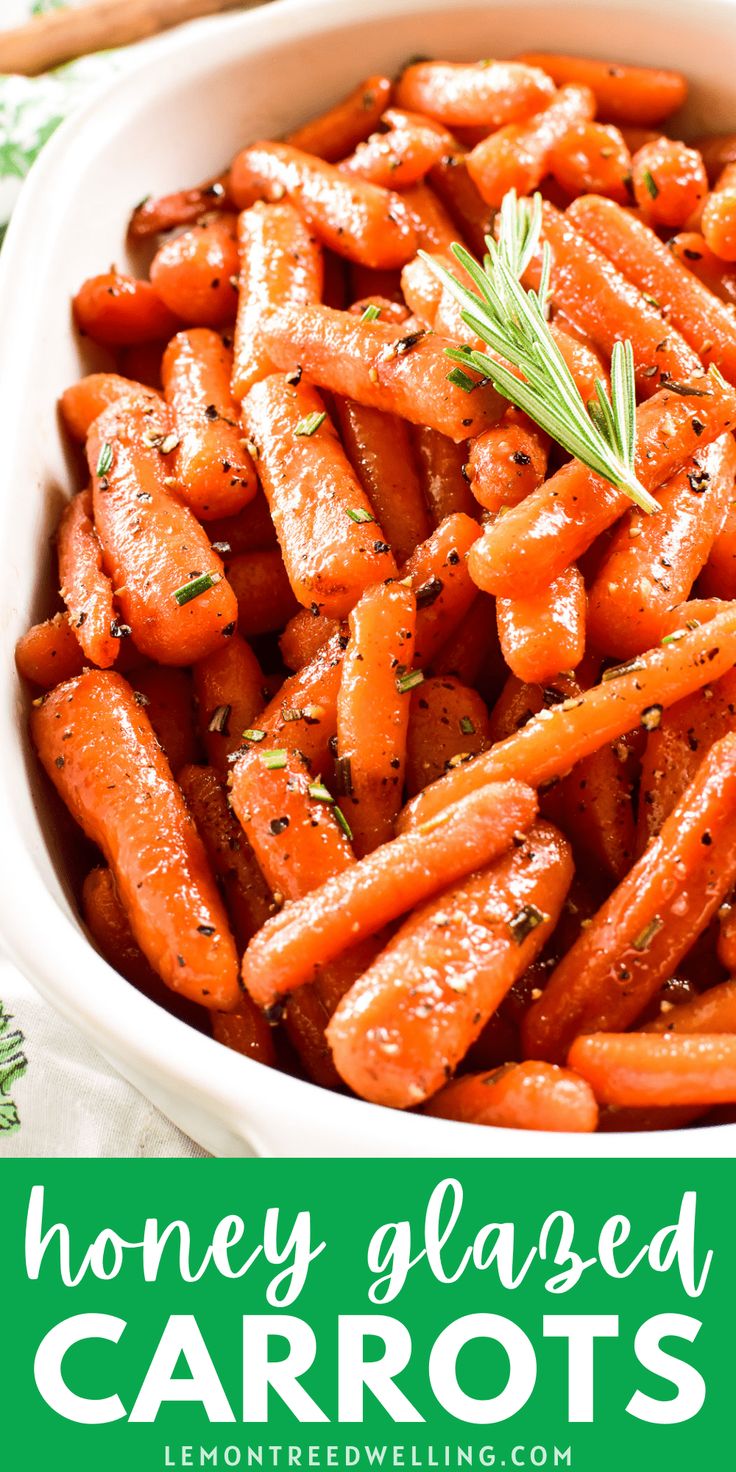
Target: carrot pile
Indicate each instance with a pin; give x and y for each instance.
(407, 743)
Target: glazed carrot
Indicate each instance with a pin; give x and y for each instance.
(373, 712)
(598, 299)
(691, 251)
(105, 917)
(471, 652)
(519, 155)
(356, 219)
(441, 464)
(153, 547)
(115, 310)
(441, 583)
(488, 92)
(551, 744)
(167, 697)
(379, 306)
(331, 551)
(676, 748)
(401, 155)
(229, 689)
(507, 463)
(516, 704)
(85, 587)
(80, 404)
(154, 216)
(402, 1029)
(339, 130)
(245, 1031)
(650, 921)
(459, 196)
(717, 150)
(652, 562)
(281, 265)
(636, 251)
(640, 95)
(543, 633)
(448, 724)
(97, 745)
(669, 182)
(435, 228)
(212, 469)
(718, 222)
(519, 1096)
(251, 530)
(49, 653)
(260, 583)
(141, 362)
(379, 449)
(714, 1011)
(718, 579)
(304, 635)
(535, 541)
(392, 880)
(636, 1070)
(294, 833)
(248, 897)
(584, 363)
(193, 273)
(726, 947)
(302, 716)
(382, 366)
(596, 800)
(592, 158)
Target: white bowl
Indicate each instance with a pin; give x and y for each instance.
(177, 119)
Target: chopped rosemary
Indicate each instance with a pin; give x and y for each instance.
(219, 720)
(196, 587)
(359, 514)
(371, 313)
(652, 186)
(463, 380)
(342, 821)
(274, 760)
(105, 459)
(319, 792)
(524, 922)
(513, 323)
(645, 937)
(344, 775)
(466, 726)
(409, 681)
(252, 733)
(310, 424)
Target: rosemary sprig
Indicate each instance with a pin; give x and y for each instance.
(512, 321)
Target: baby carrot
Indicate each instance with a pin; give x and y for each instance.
(650, 921)
(655, 270)
(486, 92)
(636, 1070)
(444, 591)
(49, 653)
(97, 745)
(448, 724)
(85, 587)
(461, 201)
(355, 219)
(116, 310)
(518, 156)
(83, 401)
(246, 1031)
(154, 216)
(400, 156)
(332, 546)
(652, 562)
(690, 249)
(166, 578)
(592, 158)
(405, 1025)
(596, 801)
(508, 462)
(228, 685)
(441, 464)
(251, 530)
(605, 305)
(641, 95)
(383, 366)
(519, 1096)
(379, 449)
(304, 635)
(389, 882)
(543, 633)
(339, 130)
(713, 1011)
(718, 579)
(281, 265)
(716, 150)
(535, 541)
(718, 222)
(261, 586)
(211, 467)
(669, 182)
(471, 652)
(292, 829)
(303, 714)
(550, 744)
(167, 696)
(677, 746)
(247, 894)
(373, 712)
(193, 273)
